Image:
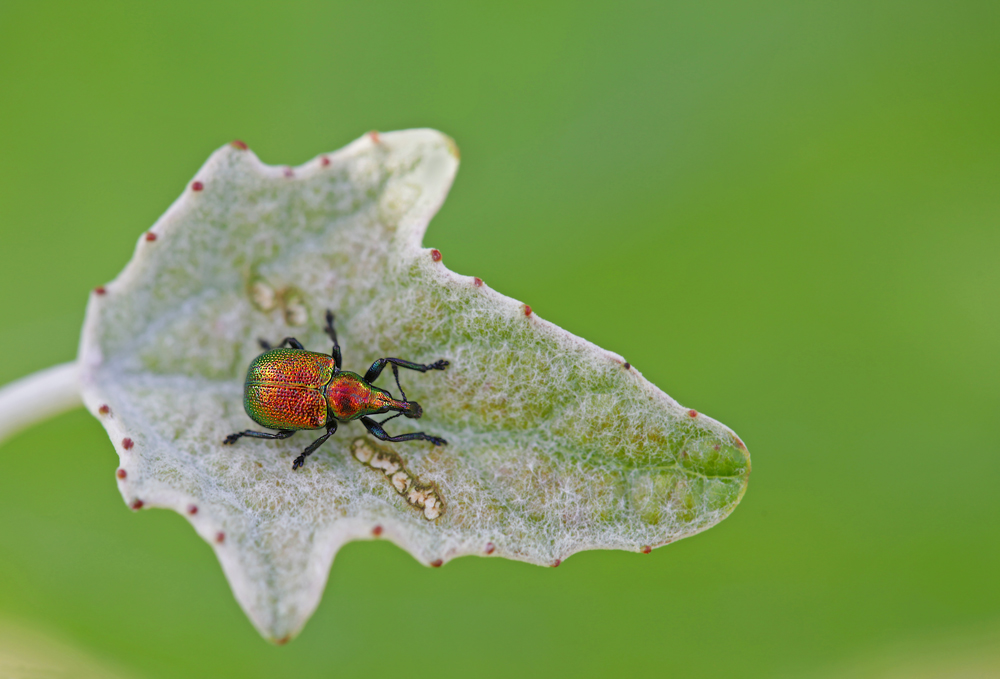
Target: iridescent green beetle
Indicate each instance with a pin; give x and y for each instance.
(293, 389)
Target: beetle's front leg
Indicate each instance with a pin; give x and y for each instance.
(379, 365)
(311, 448)
(376, 430)
(233, 438)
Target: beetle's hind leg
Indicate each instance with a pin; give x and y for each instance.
(233, 438)
(290, 341)
(376, 430)
(328, 328)
(311, 448)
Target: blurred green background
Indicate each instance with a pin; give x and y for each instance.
(784, 214)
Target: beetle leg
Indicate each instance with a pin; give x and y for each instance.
(376, 430)
(311, 448)
(282, 434)
(379, 365)
(290, 341)
(333, 336)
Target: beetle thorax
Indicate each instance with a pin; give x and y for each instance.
(349, 397)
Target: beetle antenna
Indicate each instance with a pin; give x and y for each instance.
(389, 418)
(395, 373)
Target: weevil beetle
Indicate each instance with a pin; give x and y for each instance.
(294, 389)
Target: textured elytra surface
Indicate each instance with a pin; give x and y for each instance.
(555, 445)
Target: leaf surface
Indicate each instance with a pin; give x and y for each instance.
(554, 445)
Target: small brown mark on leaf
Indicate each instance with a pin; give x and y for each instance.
(555, 564)
(436, 255)
(237, 144)
(477, 281)
(197, 186)
(490, 548)
(127, 443)
(527, 309)
(121, 473)
(376, 531)
(192, 509)
(324, 161)
(437, 563)
(104, 409)
(220, 537)
(99, 290)
(150, 236)
(646, 549)
(136, 505)
(628, 366)
(693, 413)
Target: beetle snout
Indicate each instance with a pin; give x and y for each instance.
(413, 411)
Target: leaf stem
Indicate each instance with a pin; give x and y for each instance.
(38, 397)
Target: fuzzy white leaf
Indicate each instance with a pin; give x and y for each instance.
(555, 446)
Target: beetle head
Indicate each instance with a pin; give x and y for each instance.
(413, 411)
